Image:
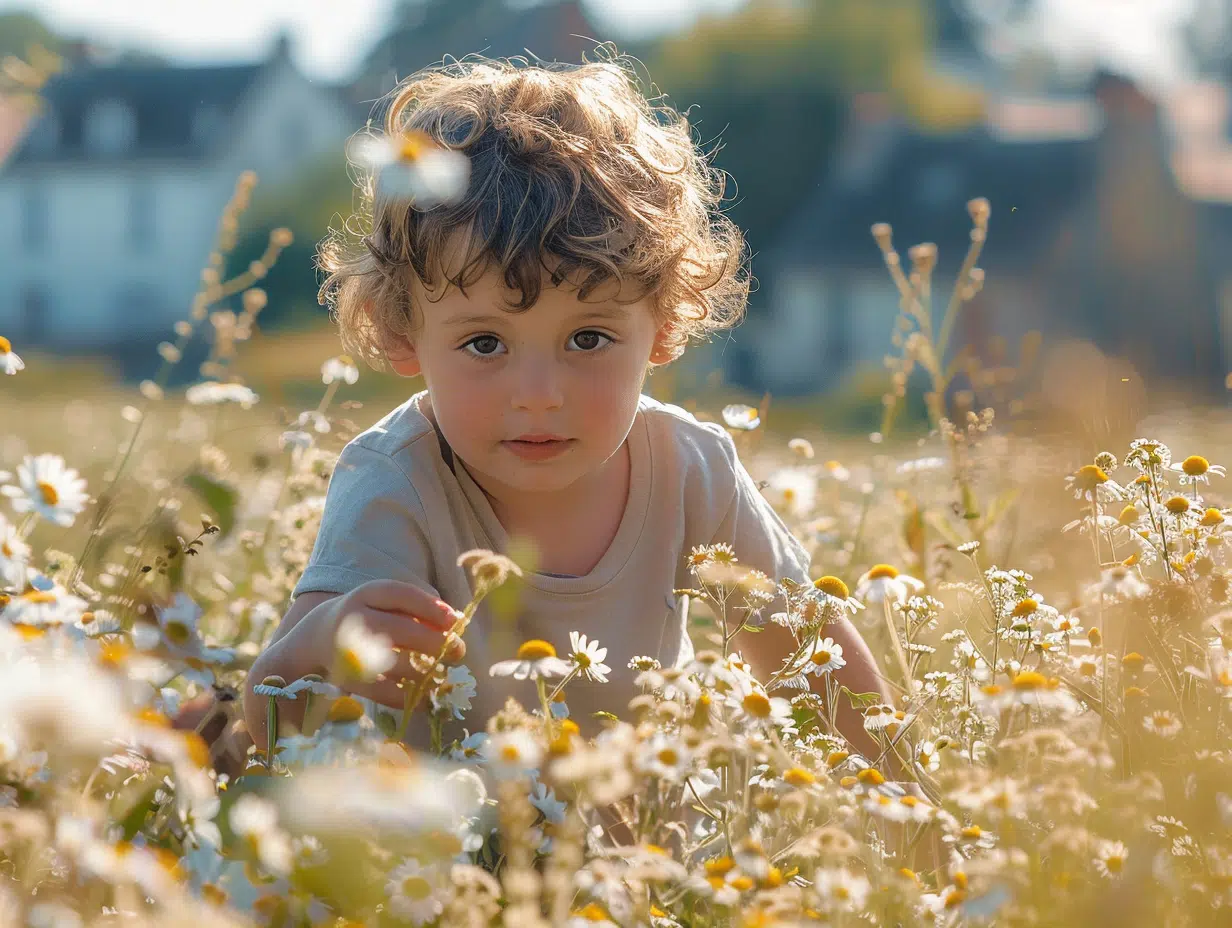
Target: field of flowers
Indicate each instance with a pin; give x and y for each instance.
(1056, 631)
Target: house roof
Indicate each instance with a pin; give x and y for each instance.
(177, 112)
(920, 185)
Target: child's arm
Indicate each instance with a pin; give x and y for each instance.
(760, 539)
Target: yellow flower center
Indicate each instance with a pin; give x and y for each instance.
(592, 912)
(821, 658)
(798, 776)
(668, 757)
(1114, 862)
(1133, 660)
(5, 345)
(411, 146)
(757, 705)
(832, 586)
(877, 571)
(49, 494)
(1030, 680)
(6, 549)
(1211, 517)
(1129, 515)
(742, 883)
(1195, 465)
(972, 832)
(1090, 476)
(345, 709)
(719, 866)
(1026, 607)
(1177, 505)
(39, 597)
(416, 887)
(870, 776)
(835, 758)
(535, 650)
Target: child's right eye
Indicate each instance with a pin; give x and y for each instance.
(485, 345)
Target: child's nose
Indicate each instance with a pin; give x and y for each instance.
(537, 385)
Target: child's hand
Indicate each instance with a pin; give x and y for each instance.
(413, 620)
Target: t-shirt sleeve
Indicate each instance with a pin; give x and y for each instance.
(372, 527)
(756, 533)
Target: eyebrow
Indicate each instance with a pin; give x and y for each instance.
(484, 318)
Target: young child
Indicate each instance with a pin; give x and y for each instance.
(587, 249)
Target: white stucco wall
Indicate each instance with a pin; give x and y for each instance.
(102, 288)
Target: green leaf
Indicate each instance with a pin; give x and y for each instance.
(605, 716)
(135, 804)
(1001, 505)
(220, 498)
(858, 700)
(937, 522)
(387, 724)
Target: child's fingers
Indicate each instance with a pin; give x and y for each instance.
(408, 599)
(413, 636)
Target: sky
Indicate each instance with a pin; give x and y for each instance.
(330, 36)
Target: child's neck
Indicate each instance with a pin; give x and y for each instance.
(573, 528)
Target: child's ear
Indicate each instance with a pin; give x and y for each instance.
(663, 351)
(402, 357)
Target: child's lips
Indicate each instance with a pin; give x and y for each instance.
(539, 449)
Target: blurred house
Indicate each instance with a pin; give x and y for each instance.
(1110, 220)
(423, 34)
(110, 203)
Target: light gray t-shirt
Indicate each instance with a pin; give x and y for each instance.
(401, 506)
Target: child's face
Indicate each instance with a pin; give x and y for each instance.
(564, 368)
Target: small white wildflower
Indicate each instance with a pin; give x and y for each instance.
(742, 417)
(46, 486)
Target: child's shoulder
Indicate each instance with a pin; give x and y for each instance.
(696, 443)
(401, 431)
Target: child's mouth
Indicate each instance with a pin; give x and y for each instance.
(538, 449)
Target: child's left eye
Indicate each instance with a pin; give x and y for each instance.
(590, 340)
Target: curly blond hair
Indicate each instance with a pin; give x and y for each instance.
(569, 161)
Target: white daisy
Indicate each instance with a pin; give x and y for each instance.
(1110, 859)
(49, 488)
(10, 363)
(742, 417)
(363, 654)
(414, 166)
(544, 799)
(792, 490)
(754, 706)
(1121, 583)
(835, 592)
(535, 659)
(884, 582)
(415, 892)
(255, 822)
(588, 657)
(339, 368)
(1089, 482)
(47, 605)
(470, 749)
(512, 754)
(1197, 469)
(826, 657)
(211, 393)
(1163, 723)
(454, 695)
(664, 756)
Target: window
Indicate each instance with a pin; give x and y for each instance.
(34, 307)
(45, 132)
(110, 127)
(34, 210)
(208, 122)
(141, 216)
